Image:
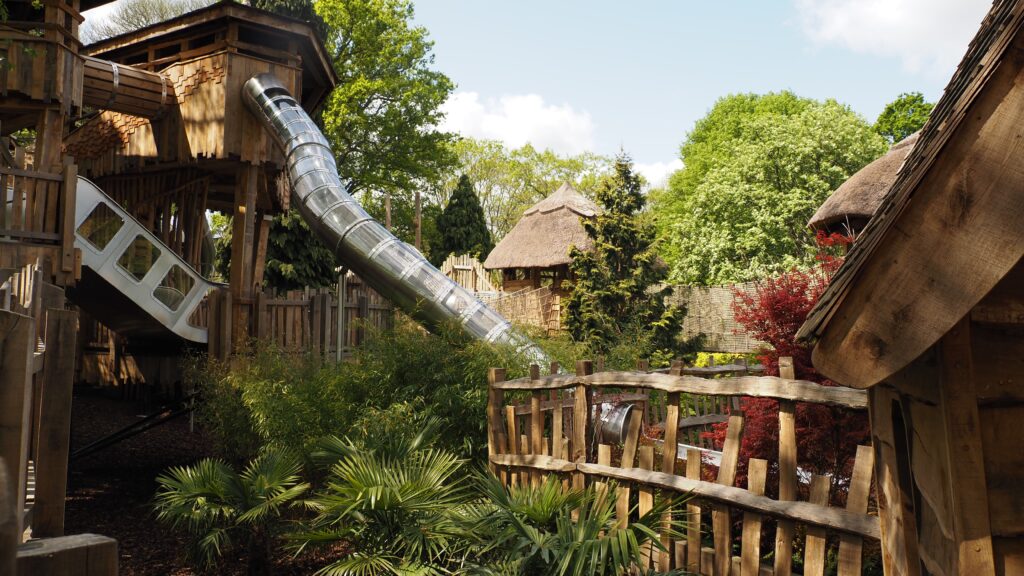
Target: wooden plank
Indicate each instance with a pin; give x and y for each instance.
(757, 471)
(604, 458)
(54, 424)
(803, 512)
(628, 458)
(668, 465)
(513, 440)
(495, 400)
(536, 423)
(787, 474)
(721, 524)
(851, 547)
(10, 536)
(581, 421)
(85, 554)
(17, 343)
(968, 484)
(557, 433)
(814, 547)
(645, 501)
(755, 386)
(693, 462)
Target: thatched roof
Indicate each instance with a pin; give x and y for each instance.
(853, 203)
(543, 236)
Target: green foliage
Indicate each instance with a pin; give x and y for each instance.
(462, 225)
(903, 116)
(531, 531)
(612, 291)
(507, 182)
(380, 119)
(130, 15)
(299, 9)
(221, 508)
(270, 397)
(755, 170)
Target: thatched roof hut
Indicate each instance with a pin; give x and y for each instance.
(850, 207)
(538, 245)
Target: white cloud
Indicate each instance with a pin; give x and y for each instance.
(657, 173)
(518, 119)
(927, 35)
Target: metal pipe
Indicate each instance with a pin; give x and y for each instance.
(393, 268)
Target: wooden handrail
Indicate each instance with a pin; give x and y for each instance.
(755, 386)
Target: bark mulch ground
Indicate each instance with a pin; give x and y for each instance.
(111, 491)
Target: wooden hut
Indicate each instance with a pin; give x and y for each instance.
(535, 252)
(849, 208)
(927, 313)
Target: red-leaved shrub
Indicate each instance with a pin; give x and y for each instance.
(827, 438)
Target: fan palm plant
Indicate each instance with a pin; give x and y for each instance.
(531, 530)
(221, 508)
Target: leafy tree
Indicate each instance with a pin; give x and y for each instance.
(903, 116)
(755, 170)
(507, 182)
(462, 225)
(612, 291)
(221, 508)
(130, 15)
(381, 118)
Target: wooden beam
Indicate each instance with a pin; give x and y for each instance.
(81, 555)
(17, 344)
(54, 424)
(968, 487)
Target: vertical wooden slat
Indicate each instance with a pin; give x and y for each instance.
(536, 423)
(17, 343)
(670, 450)
(645, 501)
(787, 473)
(721, 524)
(512, 436)
(495, 399)
(693, 563)
(54, 424)
(757, 471)
(604, 458)
(10, 536)
(972, 531)
(814, 552)
(581, 421)
(628, 457)
(850, 546)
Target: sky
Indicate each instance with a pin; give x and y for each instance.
(605, 76)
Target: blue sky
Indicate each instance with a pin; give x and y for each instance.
(597, 75)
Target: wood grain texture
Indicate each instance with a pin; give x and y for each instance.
(721, 521)
(787, 474)
(814, 551)
(757, 471)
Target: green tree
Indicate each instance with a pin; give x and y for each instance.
(130, 15)
(755, 170)
(507, 182)
(612, 293)
(903, 116)
(462, 225)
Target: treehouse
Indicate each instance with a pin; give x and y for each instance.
(535, 252)
(927, 314)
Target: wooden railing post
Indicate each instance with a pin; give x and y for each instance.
(670, 449)
(721, 523)
(10, 535)
(536, 423)
(54, 424)
(67, 226)
(787, 473)
(581, 423)
(495, 399)
(17, 345)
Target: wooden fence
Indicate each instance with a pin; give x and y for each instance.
(467, 272)
(304, 320)
(556, 434)
(539, 307)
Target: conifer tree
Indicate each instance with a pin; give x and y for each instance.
(462, 225)
(612, 296)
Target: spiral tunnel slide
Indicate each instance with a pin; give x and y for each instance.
(392, 267)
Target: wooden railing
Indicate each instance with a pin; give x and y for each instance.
(526, 445)
(39, 208)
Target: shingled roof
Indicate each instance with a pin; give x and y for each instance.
(543, 236)
(857, 200)
(947, 231)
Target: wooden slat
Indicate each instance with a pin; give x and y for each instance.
(757, 471)
(17, 343)
(693, 466)
(645, 499)
(495, 399)
(787, 474)
(851, 547)
(721, 523)
(814, 548)
(755, 386)
(512, 434)
(581, 420)
(604, 458)
(628, 458)
(670, 449)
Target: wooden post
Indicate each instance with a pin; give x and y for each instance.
(757, 471)
(495, 400)
(814, 547)
(581, 427)
(54, 424)
(693, 563)
(972, 532)
(670, 449)
(645, 501)
(67, 233)
(787, 473)
(720, 519)
(17, 344)
(243, 230)
(341, 339)
(628, 458)
(850, 546)
(536, 423)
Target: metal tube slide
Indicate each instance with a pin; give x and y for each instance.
(392, 267)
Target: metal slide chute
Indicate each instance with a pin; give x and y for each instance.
(138, 286)
(392, 267)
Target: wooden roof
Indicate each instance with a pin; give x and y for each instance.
(543, 236)
(319, 77)
(949, 228)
